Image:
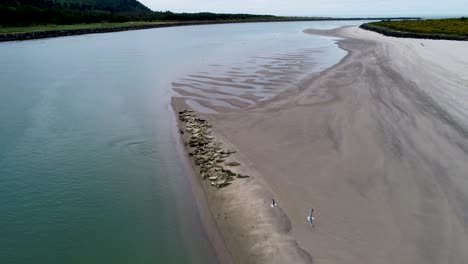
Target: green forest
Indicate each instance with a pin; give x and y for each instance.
(18, 13)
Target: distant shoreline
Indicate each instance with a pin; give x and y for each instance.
(74, 32)
(404, 34)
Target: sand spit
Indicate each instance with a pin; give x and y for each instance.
(378, 145)
(238, 198)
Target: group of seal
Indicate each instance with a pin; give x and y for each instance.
(206, 151)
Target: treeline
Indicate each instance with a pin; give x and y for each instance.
(204, 16)
(104, 5)
(37, 12)
(29, 15)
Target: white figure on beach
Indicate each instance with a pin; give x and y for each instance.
(311, 218)
(273, 203)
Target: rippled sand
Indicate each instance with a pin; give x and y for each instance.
(226, 88)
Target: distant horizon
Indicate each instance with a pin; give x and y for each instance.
(326, 16)
(425, 16)
(320, 8)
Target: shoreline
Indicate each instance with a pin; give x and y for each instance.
(238, 225)
(207, 221)
(403, 34)
(6, 37)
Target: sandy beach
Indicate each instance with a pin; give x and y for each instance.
(377, 145)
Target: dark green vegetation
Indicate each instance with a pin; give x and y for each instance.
(456, 28)
(41, 12)
(109, 5)
(30, 12)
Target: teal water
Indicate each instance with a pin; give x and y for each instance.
(90, 166)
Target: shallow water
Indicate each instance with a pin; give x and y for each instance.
(90, 170)
(256, 65)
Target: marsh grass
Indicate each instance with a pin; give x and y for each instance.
(452, 27)
(41, 28)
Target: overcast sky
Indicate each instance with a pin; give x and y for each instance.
(317, 7)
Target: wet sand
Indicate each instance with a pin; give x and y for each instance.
(260, 78)
(377, 145)
(251, 231)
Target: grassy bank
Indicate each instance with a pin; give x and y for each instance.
(456, 29)
(5, 30)
(42, 28)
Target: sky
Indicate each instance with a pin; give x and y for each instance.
(337, 8)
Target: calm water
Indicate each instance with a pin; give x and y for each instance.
(90, 169)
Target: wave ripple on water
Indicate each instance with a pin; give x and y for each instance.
(136, 145)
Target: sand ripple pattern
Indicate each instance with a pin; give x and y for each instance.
(241, 85)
